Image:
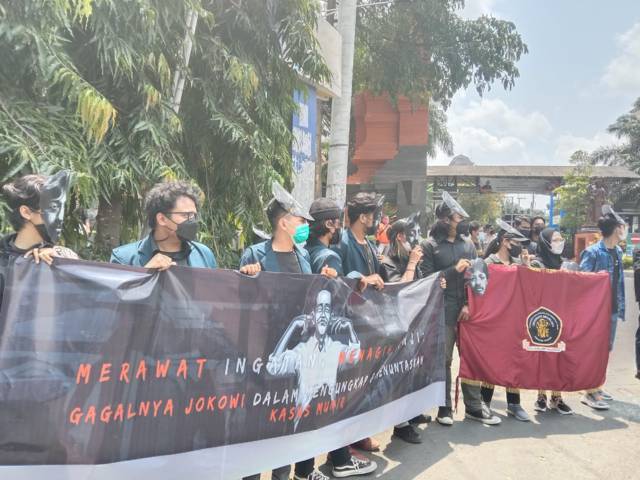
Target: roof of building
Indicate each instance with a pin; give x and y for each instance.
(531, 171)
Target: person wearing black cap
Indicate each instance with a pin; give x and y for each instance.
(606, 256)
(448, 252)
(284, 253)
(325, 230)
(507, 249)
(359, 254)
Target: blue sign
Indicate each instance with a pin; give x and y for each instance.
(303, 148)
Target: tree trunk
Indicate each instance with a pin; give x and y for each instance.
(109, 225)
(341, 108)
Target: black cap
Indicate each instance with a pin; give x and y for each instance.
(366, 202)
(325, 209)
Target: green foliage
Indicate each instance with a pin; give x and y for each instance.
(482, 207)
(426, 51)
(627, 129)
(627, 262)
(87, 85)
(574, 197)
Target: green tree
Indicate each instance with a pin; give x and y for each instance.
(86, 85)
(574, 197)
(627, 129)
(482, 207)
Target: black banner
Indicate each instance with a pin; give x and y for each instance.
(193, 369)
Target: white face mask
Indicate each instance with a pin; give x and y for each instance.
(557, 247)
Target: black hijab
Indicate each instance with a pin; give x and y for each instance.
(545, 255)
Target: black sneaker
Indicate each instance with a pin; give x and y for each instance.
(408, 434)
(444, 416)
(541, 403)
(355, 466)
(483, 417)
(558, 404)
(420, 419)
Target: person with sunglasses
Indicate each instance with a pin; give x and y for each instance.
(172, 215)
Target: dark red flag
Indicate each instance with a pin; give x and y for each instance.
(538, 329)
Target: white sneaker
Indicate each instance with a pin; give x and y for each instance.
(594, 401)
(606, 396)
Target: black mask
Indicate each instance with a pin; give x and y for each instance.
(515, 251)
(462, 228)
(336, 236)
(537, 229)
(525, 232)
(187, 230)
(43, 232)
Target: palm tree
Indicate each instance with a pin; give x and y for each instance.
(627, 129)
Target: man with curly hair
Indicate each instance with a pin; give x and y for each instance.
(172, 215)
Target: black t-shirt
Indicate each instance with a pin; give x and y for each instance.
(288, 262)
(368, 254)
(181, 258)
(614, 283)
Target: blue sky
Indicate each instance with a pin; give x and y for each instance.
(581, 73)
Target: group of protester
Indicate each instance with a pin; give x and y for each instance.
(315, 241)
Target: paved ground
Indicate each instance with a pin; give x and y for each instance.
(587, 445)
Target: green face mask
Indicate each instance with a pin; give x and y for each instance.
(302, 233)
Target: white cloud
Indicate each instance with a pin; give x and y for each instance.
(491, 132)
(567, 144)
(497, 116)
(476, 8)
(623, 72)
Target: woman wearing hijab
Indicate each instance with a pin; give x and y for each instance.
(549, 256)
(506, 249)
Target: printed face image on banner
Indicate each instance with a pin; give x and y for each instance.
(316, 361)
(103, 364)
(478, 276)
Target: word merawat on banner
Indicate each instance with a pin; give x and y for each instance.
(110, 370)
(538, 329)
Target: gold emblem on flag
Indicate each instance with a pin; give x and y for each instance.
(545, 329)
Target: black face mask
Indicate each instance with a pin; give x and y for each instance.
(43, 232)
(187, 230)
(515, 251)
(336, 236)
(537, 229)
(525, 232)
(462, 228)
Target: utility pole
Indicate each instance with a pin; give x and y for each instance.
(341, 107)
